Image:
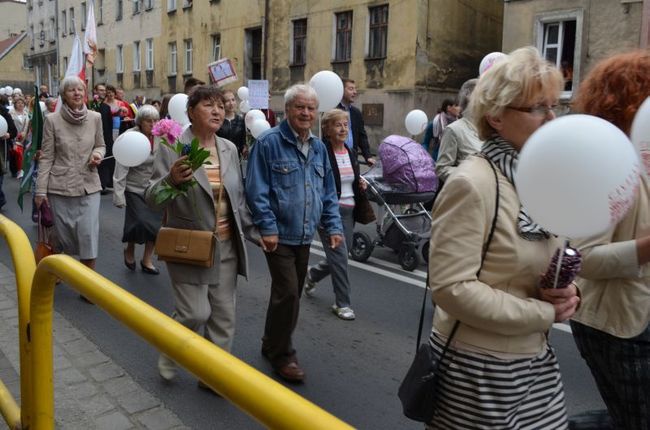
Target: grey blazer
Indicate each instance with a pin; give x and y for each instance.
(196, 210)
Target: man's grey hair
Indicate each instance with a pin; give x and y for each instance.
(465, 93)
(299, 90)
(146, 112)
(71, 81)
(50, 101)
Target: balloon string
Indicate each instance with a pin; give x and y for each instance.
(559, 262)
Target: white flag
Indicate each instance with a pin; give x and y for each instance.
(90, 37)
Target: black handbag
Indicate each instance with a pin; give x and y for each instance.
(418, 390)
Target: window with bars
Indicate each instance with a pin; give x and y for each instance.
(377, 31)
(149, 54)
(119, 59)
(188, 56)
(343, 50)
(136, 57)
(299, 42)
(173, 59)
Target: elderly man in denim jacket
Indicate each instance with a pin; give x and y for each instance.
(290, 191)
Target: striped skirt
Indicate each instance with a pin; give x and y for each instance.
(477, 391)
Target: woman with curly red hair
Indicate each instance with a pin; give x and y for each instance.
(611, 327)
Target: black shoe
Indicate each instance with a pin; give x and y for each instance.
(148, 270)
(130, 266)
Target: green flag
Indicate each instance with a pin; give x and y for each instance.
(32, 144)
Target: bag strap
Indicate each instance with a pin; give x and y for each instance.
(484, 253)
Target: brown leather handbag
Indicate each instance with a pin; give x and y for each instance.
(177, 245)
(363, 212)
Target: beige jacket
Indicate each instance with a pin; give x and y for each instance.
(196, 210)
(67, 148)
(615, 290)
(459, 141)
(500, 311)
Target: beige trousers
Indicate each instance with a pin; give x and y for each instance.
(211, 307)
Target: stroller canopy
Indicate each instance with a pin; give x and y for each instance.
(407, 166)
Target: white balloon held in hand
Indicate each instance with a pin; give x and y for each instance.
(178, 109)
(416, 121)
(131, 148)
(329, 88)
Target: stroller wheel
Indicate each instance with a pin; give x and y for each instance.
(425, 251)
(361, 246)
(408, 257)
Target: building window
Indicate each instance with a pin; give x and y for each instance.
(172, 59)
(120, 9)
(64, 23)
(216, 47)
(100, 11)
(188, 56)
(149, 54)
(136, 7)
(558, 47)
(42, 34)
(148, 4)
(52, 30)
(171, 5)
(65, 65)
(71, 20)
(31, 36)
(377, 31)
(558, 36)
(83, 16)
(136, 56)
(187, 4)
(299, 42)
(343, 51)
(119, 59)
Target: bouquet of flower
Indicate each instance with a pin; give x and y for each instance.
(169, 131)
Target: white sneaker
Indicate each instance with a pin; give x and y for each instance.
(166, 368)
(310, 286)
(20, 175)
(345, 313)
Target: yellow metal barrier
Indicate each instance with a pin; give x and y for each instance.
(24, 266)
(269, 402)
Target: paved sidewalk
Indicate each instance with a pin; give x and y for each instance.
(90, 390)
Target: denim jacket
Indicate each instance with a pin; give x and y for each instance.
(290, 195)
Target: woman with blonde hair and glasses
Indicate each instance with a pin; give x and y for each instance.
(499, 370)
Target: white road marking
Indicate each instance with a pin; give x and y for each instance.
(398, 277)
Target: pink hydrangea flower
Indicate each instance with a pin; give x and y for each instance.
(167, 129)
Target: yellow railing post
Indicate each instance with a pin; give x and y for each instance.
(22, 256)
(269, 402)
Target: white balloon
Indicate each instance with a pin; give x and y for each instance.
(329, 88)
(3, 126)
(577, 175)
(2, 92)
(177, 109)
(242, 93)
(131, 148)
(43, 107)
(244, 106)
(489, 60)
(640, 135)
(259, 126)
(416, 121)
(252, 115)
(9, 90)
(17, 91)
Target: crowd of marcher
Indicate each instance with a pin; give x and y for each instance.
(486, 253)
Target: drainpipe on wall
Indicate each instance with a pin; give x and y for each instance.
(265, 38)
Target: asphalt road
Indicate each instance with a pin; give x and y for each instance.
(353, 368)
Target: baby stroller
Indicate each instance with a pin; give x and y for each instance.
(404, 176)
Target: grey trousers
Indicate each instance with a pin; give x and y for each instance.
(336, 262)
(211, 307)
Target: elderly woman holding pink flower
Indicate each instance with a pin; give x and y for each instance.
(198, 183)
(141, 223)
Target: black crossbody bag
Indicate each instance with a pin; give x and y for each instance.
(418, 390)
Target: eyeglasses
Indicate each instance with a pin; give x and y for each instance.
(541, 110)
